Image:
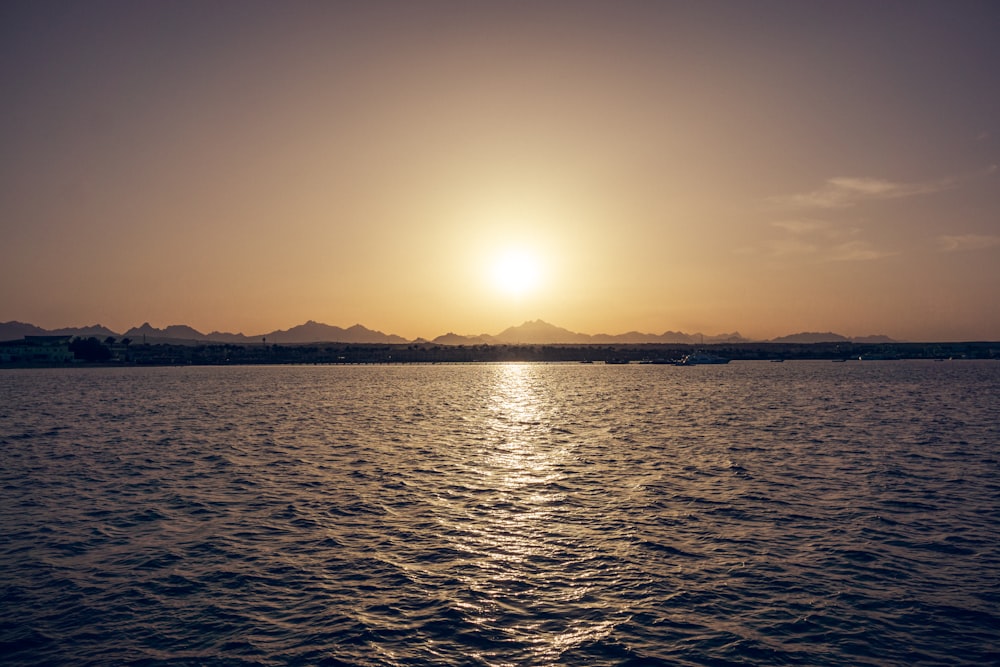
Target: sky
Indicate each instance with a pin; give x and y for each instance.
(425, 167)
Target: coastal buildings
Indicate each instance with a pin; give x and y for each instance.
(37, 350)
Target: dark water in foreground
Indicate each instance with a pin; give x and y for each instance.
(797, 513)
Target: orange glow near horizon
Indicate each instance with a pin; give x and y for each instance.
(605, 167)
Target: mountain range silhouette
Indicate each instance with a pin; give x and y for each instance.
(535, 332)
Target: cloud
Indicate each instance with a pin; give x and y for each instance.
(801, 226)
(857, 251)
(960, 242)
(815, 228)
(817, 241)
(845, 191)
(789, 248)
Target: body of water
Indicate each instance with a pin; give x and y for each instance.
(800, 513)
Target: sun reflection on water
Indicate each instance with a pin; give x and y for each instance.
(519, 456)
(527, 581)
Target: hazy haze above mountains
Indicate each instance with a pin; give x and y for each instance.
(536, 332)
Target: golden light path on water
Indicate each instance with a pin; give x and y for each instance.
(524, 578)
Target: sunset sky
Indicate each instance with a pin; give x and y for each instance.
(425, 167)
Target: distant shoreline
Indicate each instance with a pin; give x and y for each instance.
(217, 354)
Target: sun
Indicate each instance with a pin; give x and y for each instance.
(516, 272)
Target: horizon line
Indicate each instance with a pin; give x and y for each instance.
(538, 321)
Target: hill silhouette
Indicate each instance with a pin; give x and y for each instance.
(315, 332)
(539, 332)
(310, 332)
(531, 332)
(812, 337)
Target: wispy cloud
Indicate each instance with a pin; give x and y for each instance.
(815, 228)
(789, 248)
(959, 242)
(845, 191)
(817, 241)
(857, 251)
(801, 226)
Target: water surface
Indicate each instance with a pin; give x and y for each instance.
(799, 513)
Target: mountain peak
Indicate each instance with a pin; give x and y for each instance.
(539, 332)
(812, 337)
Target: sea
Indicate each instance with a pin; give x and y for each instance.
(797, 513)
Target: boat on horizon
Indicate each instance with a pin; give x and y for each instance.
(700, 359)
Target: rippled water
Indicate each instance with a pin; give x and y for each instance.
(796, 513)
